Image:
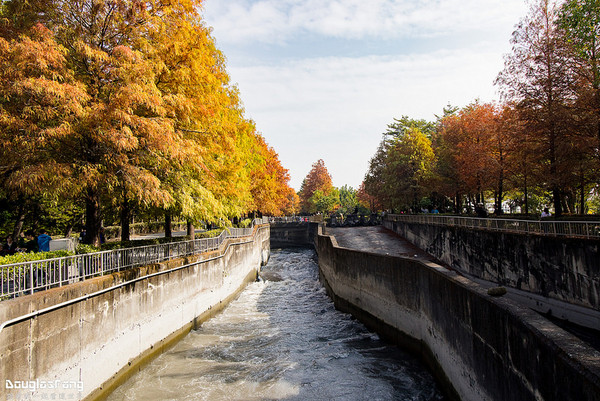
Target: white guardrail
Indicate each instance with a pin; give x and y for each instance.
(297, 219)
(28, 277)
(576, 229)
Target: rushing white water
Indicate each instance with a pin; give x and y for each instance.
(282, 339)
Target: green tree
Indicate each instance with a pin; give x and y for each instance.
(400, 126)
(348, 199)
(379, 182)
(400, 172)
(322, 203)
(412, 160)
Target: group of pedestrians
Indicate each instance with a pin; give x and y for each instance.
(27, 243)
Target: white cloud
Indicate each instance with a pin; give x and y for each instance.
(275, 21)
(337, 108)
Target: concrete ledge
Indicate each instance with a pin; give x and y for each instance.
(561, 268)
(480, 347)
(138, 363)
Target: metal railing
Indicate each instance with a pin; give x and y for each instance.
(289, 219)
(576, 229)
(297, 219)
(28, 277)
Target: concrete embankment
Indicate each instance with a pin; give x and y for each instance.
(481, 347)
(293, 234)
(561, 268)
(81, 340)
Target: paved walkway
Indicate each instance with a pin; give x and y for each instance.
(376, 239)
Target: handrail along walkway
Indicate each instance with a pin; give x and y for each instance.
(28, 277)
(575, 229)
(51, 308)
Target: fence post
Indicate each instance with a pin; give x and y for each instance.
(31, 278)
(82, 266)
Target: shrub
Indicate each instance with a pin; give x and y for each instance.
(140, 242)
(211, 233)
(85, 248)
(21, 257)
(111, 232)
(245, 223)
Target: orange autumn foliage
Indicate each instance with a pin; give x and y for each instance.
(128, 103)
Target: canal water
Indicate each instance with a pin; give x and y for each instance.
(282, 339)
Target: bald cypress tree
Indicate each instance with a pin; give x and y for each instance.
(537, 79)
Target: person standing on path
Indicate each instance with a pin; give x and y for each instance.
(31, 244)
(44, 241)
(9, 247)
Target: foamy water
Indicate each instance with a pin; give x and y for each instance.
(282, 340)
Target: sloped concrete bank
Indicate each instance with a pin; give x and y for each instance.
(480, 347)
(88, 337)
(561, 268)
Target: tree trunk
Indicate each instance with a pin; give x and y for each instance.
(597, 92)
(458, 203)
(500, 193)
(582, 197)
(168, 225)
(556, 197)
(472, 201)
(496, 208)
(582, 202)
(190, 230)
(526, 195)
(125, 219)
(92, 217)
(69, 227)
(19, 223)
(598, 134)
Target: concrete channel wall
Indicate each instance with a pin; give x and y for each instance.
(565, 269)
(293, 234)
(479, 347)
(103, 329)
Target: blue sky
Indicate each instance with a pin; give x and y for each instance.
(322, 79)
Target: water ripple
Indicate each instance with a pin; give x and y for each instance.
(282, 340)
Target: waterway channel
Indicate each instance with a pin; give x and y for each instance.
(282, 339)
